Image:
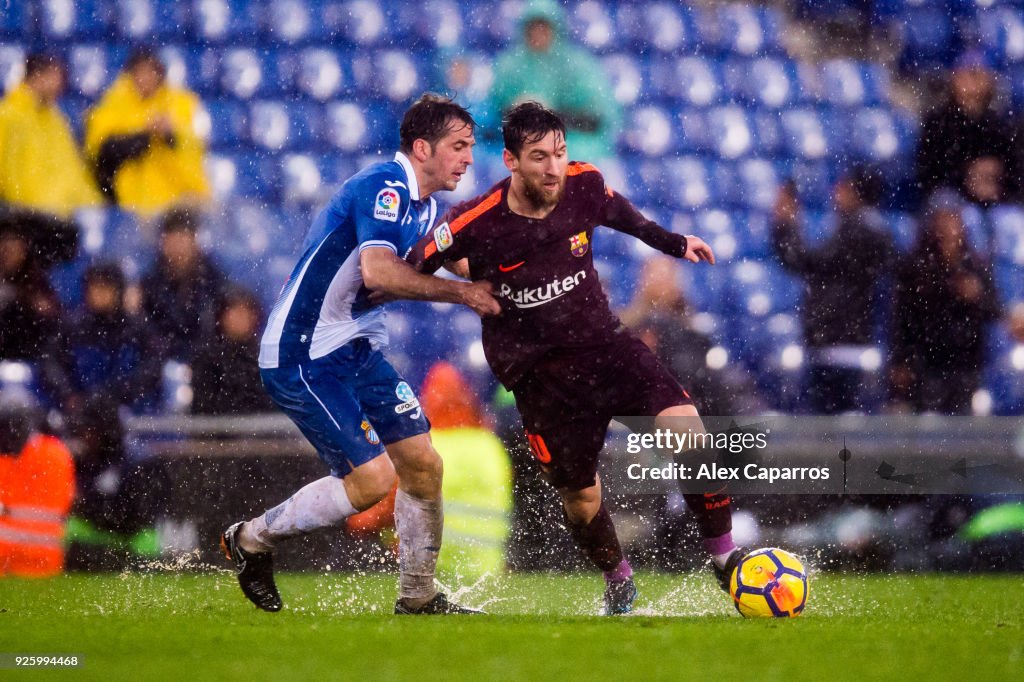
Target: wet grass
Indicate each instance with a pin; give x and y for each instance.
(165, 625)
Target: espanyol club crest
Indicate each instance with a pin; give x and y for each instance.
(578, 244)
(385, 207)
(371, 436)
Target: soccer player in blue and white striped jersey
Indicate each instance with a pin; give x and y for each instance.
(321, 360)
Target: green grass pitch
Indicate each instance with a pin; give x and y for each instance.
(168, 625)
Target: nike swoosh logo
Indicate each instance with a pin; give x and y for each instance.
(510, 268)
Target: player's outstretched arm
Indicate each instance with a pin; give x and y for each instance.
(697, 250)
(385, 272)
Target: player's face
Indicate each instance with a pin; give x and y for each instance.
(448, 159)
(540, 168)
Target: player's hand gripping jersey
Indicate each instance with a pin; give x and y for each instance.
(542, 269)
(324, 304)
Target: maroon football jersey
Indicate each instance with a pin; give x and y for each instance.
(542, 269)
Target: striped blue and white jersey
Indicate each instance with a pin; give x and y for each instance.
(324, 304)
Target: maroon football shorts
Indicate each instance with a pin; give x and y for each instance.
(569, 397)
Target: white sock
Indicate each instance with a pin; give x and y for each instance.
(720, 559)
(419, 524)
(320, 504)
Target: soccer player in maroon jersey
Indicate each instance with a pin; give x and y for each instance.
(557, 345)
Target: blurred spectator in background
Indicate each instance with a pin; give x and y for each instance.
(145, 137)
(842, 287)
(180, 292)
(37, 486)
(945, 298)
(562, 77)
(29, 309)
(41, 166)
(225, 373)
(103, 351)
(965, 128)
(118, 499)
(660, 316)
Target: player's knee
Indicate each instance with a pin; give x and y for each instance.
(370, 482)
(582, 505)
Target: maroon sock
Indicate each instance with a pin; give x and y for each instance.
(714, 516)
(598, 541)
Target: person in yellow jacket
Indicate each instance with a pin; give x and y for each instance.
(41, 166)
(146, 138)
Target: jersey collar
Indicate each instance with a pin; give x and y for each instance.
(410, 175)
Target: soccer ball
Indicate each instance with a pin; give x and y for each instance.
(769, 583)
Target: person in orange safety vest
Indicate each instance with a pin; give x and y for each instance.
(37, 487)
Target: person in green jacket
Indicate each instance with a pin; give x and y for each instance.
(563, 77)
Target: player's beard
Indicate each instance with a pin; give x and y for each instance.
(536, 195)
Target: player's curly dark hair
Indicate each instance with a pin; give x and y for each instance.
(527, 123)
(430, 118)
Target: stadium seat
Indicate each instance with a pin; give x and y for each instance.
(757, 184)
(434, 25)
(927, 35)
(626, 76)
(849, 83)
(729, 132)
(393, 75)
(876, 136)
(144, 20)
(814, 180)
(768, 137)
(67, 20)
(222, 21)
(742, 29)
(692, 80)
(12, 66)
(288, 22)
(663, 26)
(275, 125)
(1008, 228)
(13, 22)
(651, 131)
(769, 82)
(228, 122)
(491, 26)
(363, 23)
(1009, 282)
(91, 68)
(246, 73)
(685, 182)
(1002, 34)
(805, 134)
(592, 23)
(301, 179)
(348, 126)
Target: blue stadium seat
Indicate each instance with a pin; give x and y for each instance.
(814, 180)
(849, 83)
(1004, 374)
(730, 133)
(768, 137)
(769, 82)
(592, 24)
(492, 26)
(692, 80)
(183, 68)
(222, 21)
(288, 22)
(928, 37)
(432, 25)
(651, 131)
(13, 20)
(228, 123)
(663, 26)
(757, 183)
(1009, 282)
(302, 179)
(274, 125)
(349, 126)
(393, 75)
(1002, 34)
(743, 29)
(686, 182)
(245, 174)
(1008, 227)
(875, 135)
(626, 76)
(148, 21)
(91, 68)
(806, 134)
(67, 20)
(244, 73)
(12, 66)
(363, 23)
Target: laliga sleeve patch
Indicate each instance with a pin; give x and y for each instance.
(443, 237)
(385, 206)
